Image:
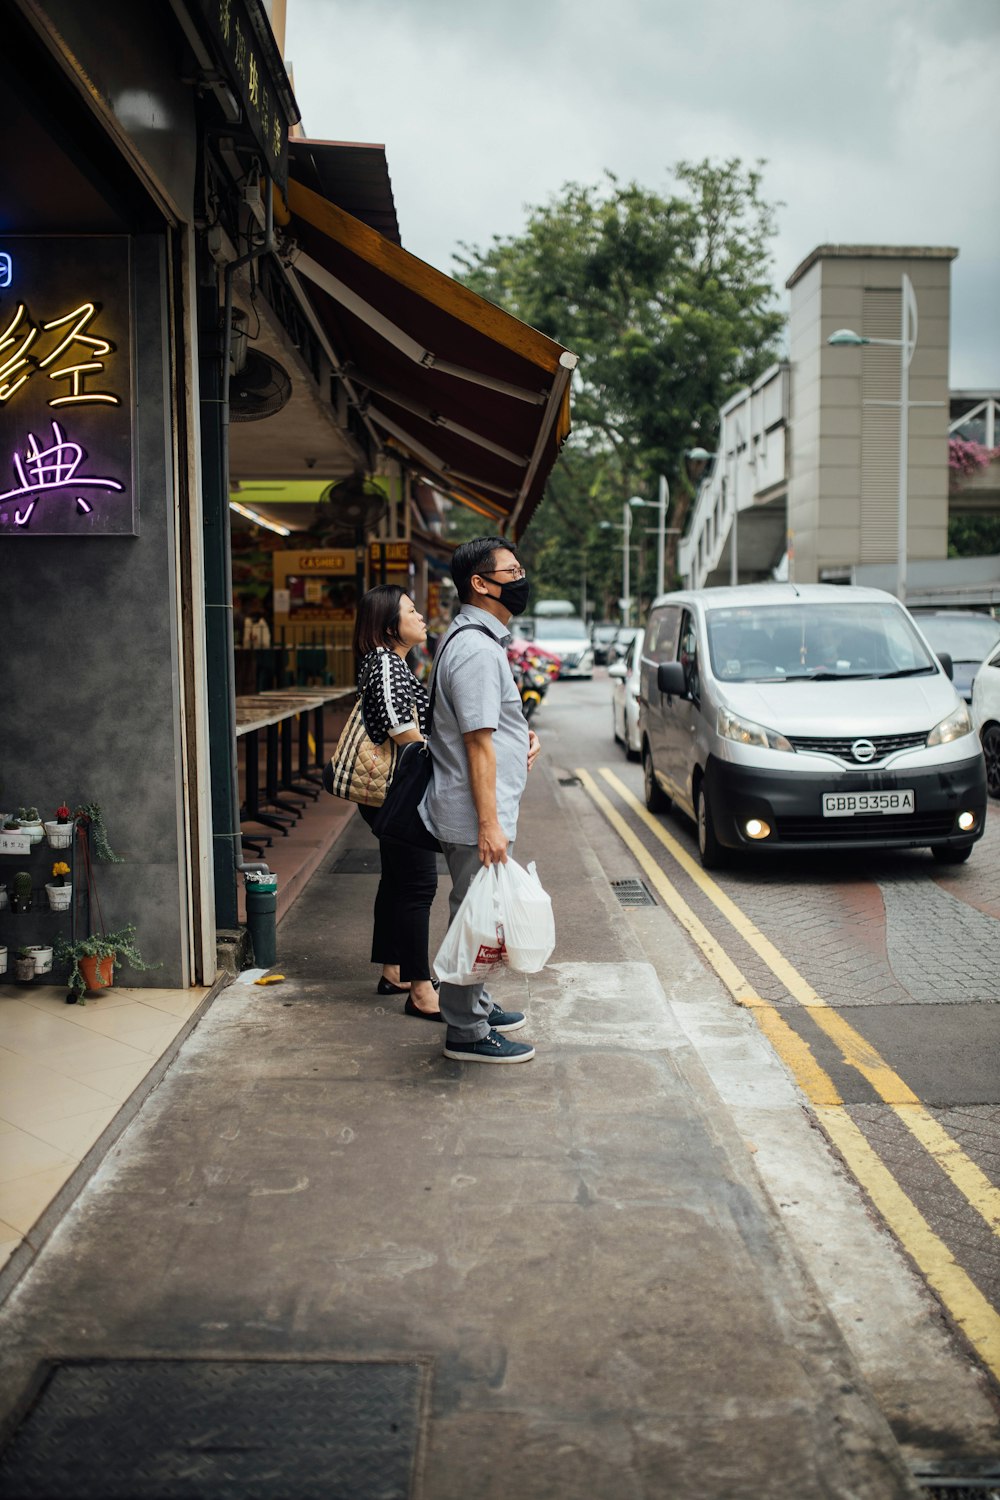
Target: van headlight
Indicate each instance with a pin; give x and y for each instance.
(746, 732)
(952, 728)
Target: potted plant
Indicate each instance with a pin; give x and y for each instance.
(24, 965)
(59, 831)
(42, 955)
(20, 895)
(94, 959)
(30, 823)
(3, 958)
(60, 892)
(89, 813)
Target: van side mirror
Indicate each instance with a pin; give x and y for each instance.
(670, 679)
(944, 658)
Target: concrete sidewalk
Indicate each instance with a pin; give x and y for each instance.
(578, 1250)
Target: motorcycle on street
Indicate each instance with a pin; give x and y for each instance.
(533, 670)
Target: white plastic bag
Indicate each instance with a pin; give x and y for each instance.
(529, 928)
(473, 945)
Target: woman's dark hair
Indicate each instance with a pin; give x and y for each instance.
(476, 557)
(377, 623)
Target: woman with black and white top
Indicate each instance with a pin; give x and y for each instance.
(394, 704)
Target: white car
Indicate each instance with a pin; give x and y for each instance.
(566, 637)
(986, 717)
(624, 676)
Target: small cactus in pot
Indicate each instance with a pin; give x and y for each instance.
(24, 965)
(30, 823)
(20, 895)
(59, 830)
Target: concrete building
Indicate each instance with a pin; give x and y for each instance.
(806, 474)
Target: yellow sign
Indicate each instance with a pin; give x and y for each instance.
(395, 554)
(319, 562)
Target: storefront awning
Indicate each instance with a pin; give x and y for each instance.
(474, 399)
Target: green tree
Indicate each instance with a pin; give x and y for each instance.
(669, 304)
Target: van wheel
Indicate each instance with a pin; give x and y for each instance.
(614, 727)
(945, 856)
(656, 798)
(713, 855)
(991, 750)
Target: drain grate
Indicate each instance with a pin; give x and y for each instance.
(632, 893)
(977, 1481)
(185, 1429)
(961, 1489)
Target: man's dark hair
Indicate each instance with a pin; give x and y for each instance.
(377, 623)
(476, 556)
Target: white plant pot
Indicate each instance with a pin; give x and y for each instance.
(59, 835)
(3, 897)
(35, 831)
(3, 960)
(42, 956)
(60, 897)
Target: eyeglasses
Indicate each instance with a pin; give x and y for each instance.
(515, 572)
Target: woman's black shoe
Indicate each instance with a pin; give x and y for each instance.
(410, 1009)
(386, 987)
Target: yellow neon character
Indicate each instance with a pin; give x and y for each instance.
(18, 359)
(76, 373)
(240, 51)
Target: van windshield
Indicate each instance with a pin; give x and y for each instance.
(560, 629)
(821, 642)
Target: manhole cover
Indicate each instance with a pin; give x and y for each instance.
(232, 1430)
(632, 893)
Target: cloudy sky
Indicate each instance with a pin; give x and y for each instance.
(879, 119)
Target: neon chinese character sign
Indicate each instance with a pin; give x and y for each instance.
(66, 438)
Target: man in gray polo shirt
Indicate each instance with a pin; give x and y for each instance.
(482, 751)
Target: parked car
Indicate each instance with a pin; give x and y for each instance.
(986, 718)
(806, 716)
(567, 638)
(621, 643)
(601, 637)
(967, 638)
(624, 676)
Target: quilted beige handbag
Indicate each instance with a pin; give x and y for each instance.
(360, 770)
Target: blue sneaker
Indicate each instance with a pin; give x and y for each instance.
(505, 1020)
(492, 1048)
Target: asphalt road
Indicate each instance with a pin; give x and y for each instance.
(887, 967)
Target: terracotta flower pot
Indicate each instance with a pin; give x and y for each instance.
(98, 973)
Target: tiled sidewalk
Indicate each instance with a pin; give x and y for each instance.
(65, 1071)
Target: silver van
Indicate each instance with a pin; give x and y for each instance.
(806, 716)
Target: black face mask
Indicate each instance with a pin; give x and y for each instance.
(514, 596)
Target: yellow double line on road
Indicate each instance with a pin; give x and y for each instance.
(967, 1305)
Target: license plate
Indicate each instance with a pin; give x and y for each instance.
(850, 804)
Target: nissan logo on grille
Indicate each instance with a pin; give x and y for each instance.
(863, 751)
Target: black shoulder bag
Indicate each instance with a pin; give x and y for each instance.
(398, 818)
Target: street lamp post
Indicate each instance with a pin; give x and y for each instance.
(626, 559)
(906, 344)
(661, 532)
